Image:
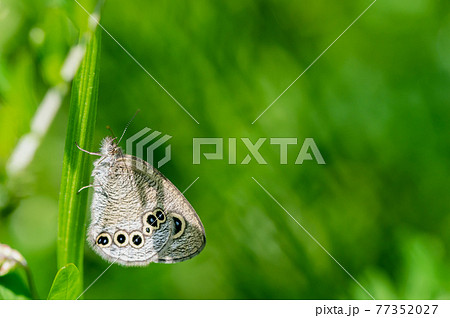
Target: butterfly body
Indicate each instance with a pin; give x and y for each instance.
(137, 215)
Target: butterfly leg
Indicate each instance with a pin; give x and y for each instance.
(93, 186)
(88, 186)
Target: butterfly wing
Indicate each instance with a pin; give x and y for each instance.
(139, 216)
(122, 197)
(189, 243)
(187, 235)
(186, 231)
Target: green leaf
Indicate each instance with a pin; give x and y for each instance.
(7, 294)
(76, 164)
(10, 259)
(67, 284)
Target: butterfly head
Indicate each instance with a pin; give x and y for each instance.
(110, 147)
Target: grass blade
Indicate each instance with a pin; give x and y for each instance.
(76, 165)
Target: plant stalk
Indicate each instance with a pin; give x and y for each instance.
(76, 165)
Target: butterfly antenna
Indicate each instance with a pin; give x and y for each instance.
(126, 127)
(112, 132)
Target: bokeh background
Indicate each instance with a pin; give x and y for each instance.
(377, 104)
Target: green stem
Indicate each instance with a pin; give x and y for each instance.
(31, 285)
(76, 165)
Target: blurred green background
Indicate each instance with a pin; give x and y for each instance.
(377, 104)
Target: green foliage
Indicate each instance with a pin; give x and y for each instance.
(67, 284)
(376, 104)
(76, 164)
(7, 294)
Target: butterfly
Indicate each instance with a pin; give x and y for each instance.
(137, 215)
